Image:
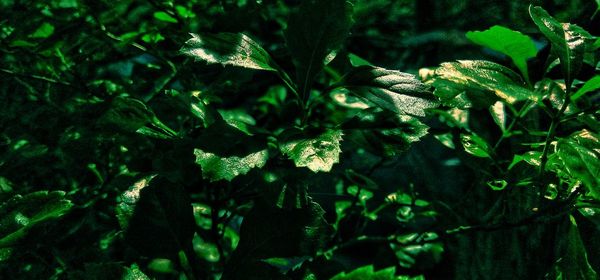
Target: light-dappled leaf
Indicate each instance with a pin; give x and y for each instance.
(369, 273)
(22, 212)
(234, 154)
(475, 145)
(482, 77)
(572, 261)
(215, 167)
(512, 43)
(315, 30)
(128, 199)
(235, 49)
(389, 89)
(568, 41)
(134, 273)
(531, 157)
(316, 152)
(579, 156)
(383, 132)
(589, 86)
(162, 224)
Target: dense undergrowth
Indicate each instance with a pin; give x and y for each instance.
(305, 139)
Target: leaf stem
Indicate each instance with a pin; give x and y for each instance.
(550, 137)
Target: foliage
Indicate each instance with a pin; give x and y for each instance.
(277, 140)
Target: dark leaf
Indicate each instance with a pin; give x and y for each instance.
(22, 212)
(384, 132)
(162, 224)
(315, 30)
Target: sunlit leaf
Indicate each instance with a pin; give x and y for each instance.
(568, 41)
(236, 153)
(475, 145)
(392, 90)
(480, 76)
(316, 152)
(512, 43)
(235, 49)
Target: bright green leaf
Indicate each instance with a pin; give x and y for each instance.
(568, 41)
(315, 30)
(369, 273)
(392, 90)
(531, 157)
(514, 44)
(475, 145)
(235, 49)
(317, 153)
(162, 16)
(44, 31)
(591, 85)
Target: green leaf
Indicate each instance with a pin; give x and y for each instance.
(389, 89)
(134, 273)
(475, 145)
(481, 77)
(369, 273)
(44, 31)
(217, 168)
(514, 44)
(314, 31)
(272, 232)
(316, 152)
(383, 132)
(132, 115)
(579, 156)
(572, 262)
(128, 199)
(234, 154)
(568, 41)
(591, 85)
(22, 212)
(162, 16)
(163, 222)
(235, 49)
(531, 157)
